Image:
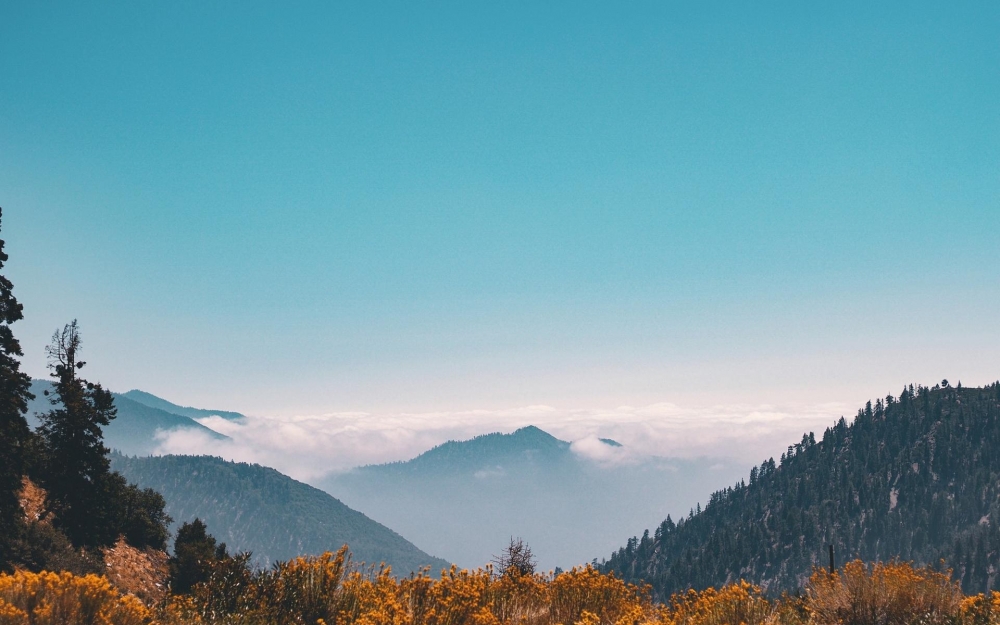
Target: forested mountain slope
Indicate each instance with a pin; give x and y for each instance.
(464, 500)
(916, 478)
(257, 509)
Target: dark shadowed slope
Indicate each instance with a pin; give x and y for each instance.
(916, 478)
(465, 499)
(255, 508)
(135, 428)
(153, 401)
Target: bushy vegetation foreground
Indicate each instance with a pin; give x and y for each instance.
(328, 590)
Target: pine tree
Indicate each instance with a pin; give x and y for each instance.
(77, 469)
(14, 431)
(195, 551)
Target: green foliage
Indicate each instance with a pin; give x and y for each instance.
(92, 505)
(915, 477)
(42, 547)
(136, 513)
(195, 554)
(77, 469)
(14, 432)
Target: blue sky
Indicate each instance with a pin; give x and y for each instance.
(456, 206)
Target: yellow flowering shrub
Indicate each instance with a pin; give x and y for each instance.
(737, 604)
(981, 609)
(585, 594)
(459, 597)
(66, 599)
(883, 594)
(330, 590)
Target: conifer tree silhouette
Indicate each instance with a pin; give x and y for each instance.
(14, 431)
(77, 471)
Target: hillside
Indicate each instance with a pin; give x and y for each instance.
(915, 477)
(255, 508)
(153, 401)
(464, 500)
(135, 428)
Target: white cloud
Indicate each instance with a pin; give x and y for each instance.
(307, 447)
(593, 448)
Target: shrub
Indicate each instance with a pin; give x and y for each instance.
(981, 609)
(883, 594)
(583, 594)
(66, 599)
(741, 603)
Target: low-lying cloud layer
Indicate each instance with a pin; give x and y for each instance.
(308, 447)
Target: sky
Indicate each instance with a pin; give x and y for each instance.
(388, 209)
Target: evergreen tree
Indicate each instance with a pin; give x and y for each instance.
(14, 431)
(195, 552)
(135, 513)
(77, 470)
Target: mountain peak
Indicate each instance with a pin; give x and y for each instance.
(522, 446)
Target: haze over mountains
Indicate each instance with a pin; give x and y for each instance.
(139, 425)
(913, 477)
(461, 500)
(464, 500)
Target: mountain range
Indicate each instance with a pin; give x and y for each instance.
(464, 500)
(250, 507)
(915, 477)
(141, 418)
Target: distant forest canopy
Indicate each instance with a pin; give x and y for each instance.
(915, 477)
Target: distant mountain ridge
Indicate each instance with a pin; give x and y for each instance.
(915, 477)
(255, 508)
(153, 401)
(134, 431)
(465, 499)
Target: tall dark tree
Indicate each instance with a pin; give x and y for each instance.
(195, 552)
(77, 469)
(14, 431)
(134, 513)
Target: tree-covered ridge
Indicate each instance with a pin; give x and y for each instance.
(257, 509)
(915, 477)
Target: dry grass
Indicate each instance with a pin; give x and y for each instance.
(32, 501)
(142, 573)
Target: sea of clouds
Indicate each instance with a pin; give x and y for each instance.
(309, 447)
